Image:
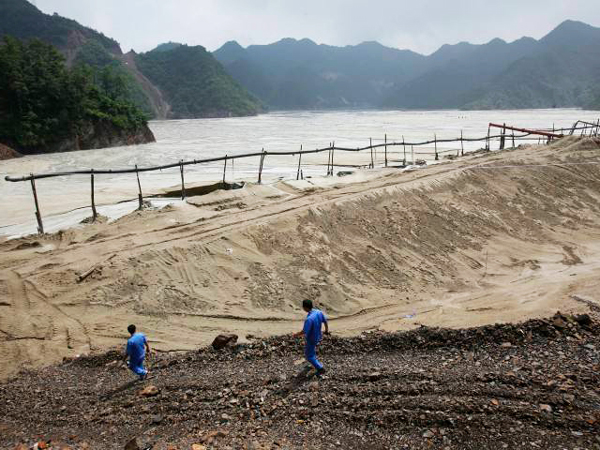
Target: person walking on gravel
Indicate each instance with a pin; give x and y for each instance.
(137, 347)
(312, 334)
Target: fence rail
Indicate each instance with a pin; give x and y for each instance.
(586, 128)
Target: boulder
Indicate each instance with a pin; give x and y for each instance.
(223, 340)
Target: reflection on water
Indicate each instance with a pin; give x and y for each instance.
(278, 131)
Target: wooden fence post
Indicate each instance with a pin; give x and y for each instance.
(94, 212)
(299, 162)
(261, 165)
(371, 147)
(404, 147)
(224, 170)
(38, 214)
(435, 143)
(332, 155)
(140, 195)
(487, 141)
(412, 154)
(462, 145)
(513, 138)
(182, 180)
(385, 140)
(329, 160)
(502, 137)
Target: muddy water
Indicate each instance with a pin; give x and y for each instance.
(204, 138)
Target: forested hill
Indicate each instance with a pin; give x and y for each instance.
(194, 83)
(21, 19)
(46, 107)
(560, 70)
(212, 93)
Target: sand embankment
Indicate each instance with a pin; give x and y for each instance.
(491, 238)
(8, 153)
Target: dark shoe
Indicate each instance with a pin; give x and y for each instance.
(320, 372)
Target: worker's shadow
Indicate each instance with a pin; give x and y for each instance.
(120, 389)
(304, 376)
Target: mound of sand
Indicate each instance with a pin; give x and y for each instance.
(8, 153)
(498, 237)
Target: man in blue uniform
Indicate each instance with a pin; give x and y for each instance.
(312, 334)
(137, 346)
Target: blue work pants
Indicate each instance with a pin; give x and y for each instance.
(310, 352)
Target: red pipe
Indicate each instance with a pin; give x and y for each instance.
(525, 130)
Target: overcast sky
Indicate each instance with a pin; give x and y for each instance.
(419, 25)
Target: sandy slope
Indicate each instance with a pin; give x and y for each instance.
(457, 244)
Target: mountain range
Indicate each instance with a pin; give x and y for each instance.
(178, 81)
(560, 70)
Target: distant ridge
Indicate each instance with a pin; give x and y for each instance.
(560, 70)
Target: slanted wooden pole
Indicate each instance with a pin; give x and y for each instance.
(385, 141)
(182, 180)
(404, 147)
(261, 165)
(140, 195)
(38, 214)
(371, 147)
(224, 169)
(435, 143)
(375, 155)
(462, 144)
(299, 162)
(94, 212)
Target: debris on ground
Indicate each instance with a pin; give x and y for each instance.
(421, 389)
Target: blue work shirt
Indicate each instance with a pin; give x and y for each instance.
(136, 347)
(312, 326)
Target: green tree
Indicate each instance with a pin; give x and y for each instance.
(42, 102)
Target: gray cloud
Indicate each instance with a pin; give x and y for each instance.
(422, 26)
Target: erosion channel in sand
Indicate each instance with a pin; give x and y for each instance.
(494, 237)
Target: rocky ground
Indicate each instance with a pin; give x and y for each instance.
(532, 385)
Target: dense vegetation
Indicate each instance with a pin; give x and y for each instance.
(43, 103)
(196, 88)
(99, 59)
(167, 46)
(21, 19)
(79, 44)
(195, 84)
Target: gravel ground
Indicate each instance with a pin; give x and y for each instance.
(531, 385)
